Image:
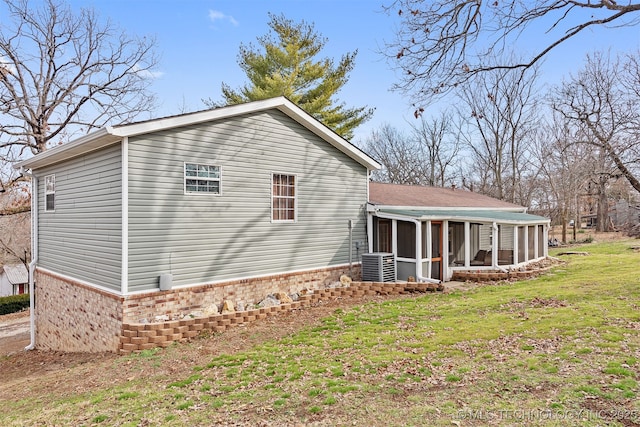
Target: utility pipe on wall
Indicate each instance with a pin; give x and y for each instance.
(34, 257)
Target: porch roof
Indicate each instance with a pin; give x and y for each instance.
(480, 215)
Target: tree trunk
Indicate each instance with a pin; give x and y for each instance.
(602, 221)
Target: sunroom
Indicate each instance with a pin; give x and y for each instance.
(467, 232)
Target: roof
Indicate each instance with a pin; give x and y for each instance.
(504, 217)
(433, 197)
(112, 134)
(16, 274)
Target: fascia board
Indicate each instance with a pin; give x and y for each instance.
(84, 144)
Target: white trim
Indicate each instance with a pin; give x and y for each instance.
(467, 244)
(370, 232)
(82, 282)
(235, 279)
(526, 243)
(457, 218)
(419, 247)
(376, 207)
(124, 278)
(34, 260)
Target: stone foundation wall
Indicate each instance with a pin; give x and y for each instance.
(495, 275)
(73, 317)
(247, 292)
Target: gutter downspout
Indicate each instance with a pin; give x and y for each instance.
(34, 257)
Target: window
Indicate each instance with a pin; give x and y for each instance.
(283, 197)
(50, 193)
(201, 178)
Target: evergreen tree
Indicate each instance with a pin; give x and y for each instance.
(285, 67)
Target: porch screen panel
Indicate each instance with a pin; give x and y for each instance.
(436, 244)
(456, 242)
(382, 237)
(485, 236)
(406, 239)
(531, 231)
(521, 243)
(505, 244)
(541, 241)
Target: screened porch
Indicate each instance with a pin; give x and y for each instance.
(432, 245)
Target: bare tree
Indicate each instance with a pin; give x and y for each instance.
(63, 73)
(566, 169)
(399, 155)
(442, 44)
(599, 101)
(439, 147)
(500, 109)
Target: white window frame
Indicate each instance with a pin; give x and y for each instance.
(49, 190)
(210, 179)
(274, 196)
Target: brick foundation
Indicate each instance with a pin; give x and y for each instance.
(74, 317)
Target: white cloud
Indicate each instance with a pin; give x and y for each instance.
(147, 74)
(216, 15)
(7, 66)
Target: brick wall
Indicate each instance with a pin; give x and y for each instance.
(73, 317)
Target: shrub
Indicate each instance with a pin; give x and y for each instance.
(13, 303)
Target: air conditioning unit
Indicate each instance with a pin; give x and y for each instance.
(378, 267)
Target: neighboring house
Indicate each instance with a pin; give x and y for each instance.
(168, 216)
(14, 280)
(434, 232)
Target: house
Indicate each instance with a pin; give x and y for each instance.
(167, 216)
(14, 280)
(434, 232)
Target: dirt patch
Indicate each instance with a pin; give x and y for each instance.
(14, 332)
(60, 371)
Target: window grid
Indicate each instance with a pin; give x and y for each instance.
(283, 200)
(201, 178)
(50, 192)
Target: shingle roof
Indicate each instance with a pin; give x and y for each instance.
(432, 197)
(16, 274)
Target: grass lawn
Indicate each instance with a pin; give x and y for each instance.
(563, 349)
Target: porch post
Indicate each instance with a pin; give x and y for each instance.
(535, 241)
(467, 244)
(419, 248)
(394, 237)
(494, 245)
(370, 231)
(515, 245)
(526, 243)
(546, 240)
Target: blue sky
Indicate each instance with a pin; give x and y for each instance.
(198, 42)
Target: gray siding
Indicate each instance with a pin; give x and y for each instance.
(83, 237)
(205, 238)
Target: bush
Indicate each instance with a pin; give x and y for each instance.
(13, 303)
